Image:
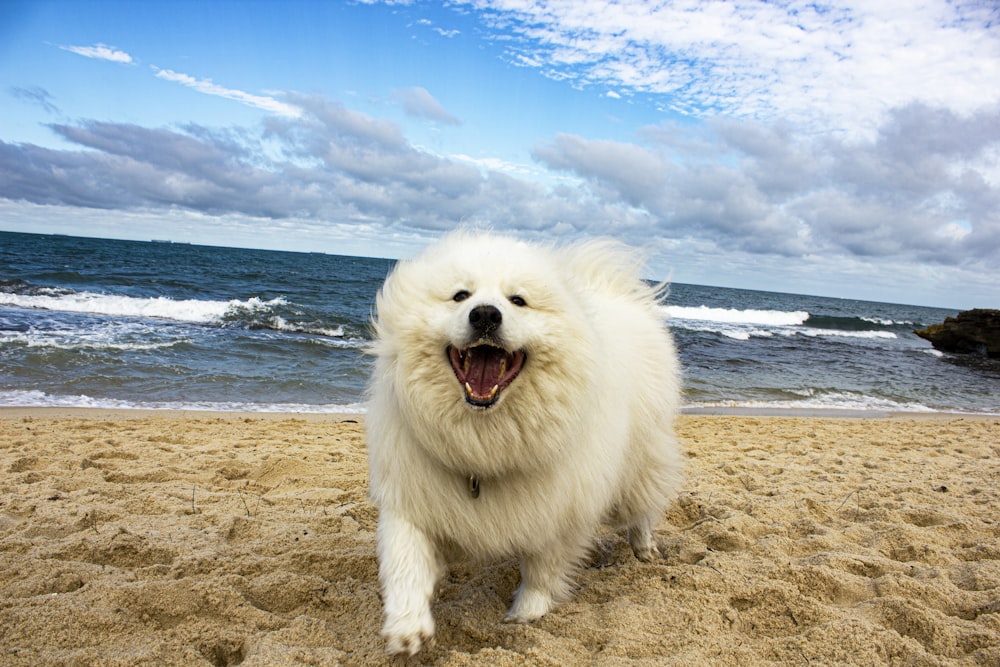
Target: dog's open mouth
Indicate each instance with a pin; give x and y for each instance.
(484, 371)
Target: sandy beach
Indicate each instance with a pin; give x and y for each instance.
(137, 538)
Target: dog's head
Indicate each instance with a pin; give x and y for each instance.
(475, 315)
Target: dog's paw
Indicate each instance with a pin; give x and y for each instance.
(528, 606)
(647, 553)
(643, 544)
(407, 635)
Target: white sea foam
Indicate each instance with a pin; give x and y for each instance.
(833, 401)
(182, 310)
(82, 341)
(279, 323)
(734, 332)
(843, 333)
(736, 316)
(743, 325)
(33, 398)
(123, 336)
(340, 343)
(887, 322)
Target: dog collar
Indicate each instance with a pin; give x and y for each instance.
(474, 486)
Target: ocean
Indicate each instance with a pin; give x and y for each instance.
(157, 325)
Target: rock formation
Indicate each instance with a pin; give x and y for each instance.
(975, 331)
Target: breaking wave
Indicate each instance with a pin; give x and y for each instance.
(254, 313)
(183, 310)
(739, 324)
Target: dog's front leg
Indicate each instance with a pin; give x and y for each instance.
(409, 569)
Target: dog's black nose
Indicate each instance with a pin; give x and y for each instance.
(485, 319)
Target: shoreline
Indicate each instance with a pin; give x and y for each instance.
(52, 412)
(114, 414)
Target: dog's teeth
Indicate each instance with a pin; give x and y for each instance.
(489, 397)
(503, 369)
(468, 362)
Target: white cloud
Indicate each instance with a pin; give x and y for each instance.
(913, 193)
(441, 31)
(791, 208)
(828, 66)
(101, 52)
(208, 87)
(419, 102)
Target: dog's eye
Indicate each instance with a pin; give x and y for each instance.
(461, 295)
(518, 301)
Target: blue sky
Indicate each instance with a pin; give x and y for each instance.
(837, 148)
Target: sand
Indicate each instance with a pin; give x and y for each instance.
(135, 538)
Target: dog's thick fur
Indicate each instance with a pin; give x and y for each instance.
(578, 429)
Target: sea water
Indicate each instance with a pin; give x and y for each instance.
(105, 323)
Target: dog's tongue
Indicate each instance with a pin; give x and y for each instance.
(485, 368)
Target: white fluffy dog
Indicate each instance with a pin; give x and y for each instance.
(522, 395)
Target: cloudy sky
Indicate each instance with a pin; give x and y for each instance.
(839, 148)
